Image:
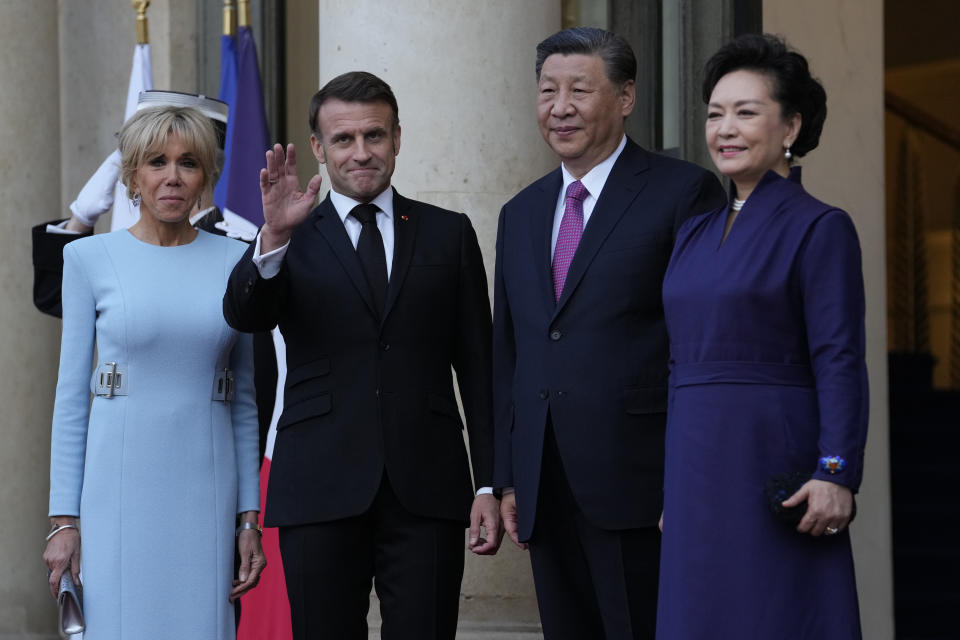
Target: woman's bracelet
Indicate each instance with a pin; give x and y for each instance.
(253, 526)
(60, 528)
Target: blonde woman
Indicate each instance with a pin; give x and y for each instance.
(164, 459)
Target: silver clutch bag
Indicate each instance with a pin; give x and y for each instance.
(70, 603)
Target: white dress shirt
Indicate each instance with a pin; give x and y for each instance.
(593, 181)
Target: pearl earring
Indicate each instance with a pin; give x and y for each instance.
(787, 154)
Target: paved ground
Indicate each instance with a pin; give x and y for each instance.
(485, 634)
(484, 618)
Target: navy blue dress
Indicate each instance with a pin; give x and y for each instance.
(767, 376)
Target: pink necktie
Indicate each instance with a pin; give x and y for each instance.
(571, 228)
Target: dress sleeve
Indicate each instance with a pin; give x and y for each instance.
(71, 410)
(243, 415)
(831, 281)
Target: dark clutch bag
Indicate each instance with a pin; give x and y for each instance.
(780, 487)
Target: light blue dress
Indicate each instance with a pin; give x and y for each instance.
(157, 476)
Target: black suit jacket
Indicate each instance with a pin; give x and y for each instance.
(48, 266)
(596, 361)
(366, 395)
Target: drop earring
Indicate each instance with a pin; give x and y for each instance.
(135, 200)
(787, 154)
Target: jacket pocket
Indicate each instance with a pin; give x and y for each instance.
(308, 371)
(644, 400)
(304, 410)
(444, 406)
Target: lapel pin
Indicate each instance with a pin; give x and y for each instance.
(404, 218)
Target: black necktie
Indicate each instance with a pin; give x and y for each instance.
(371, 253)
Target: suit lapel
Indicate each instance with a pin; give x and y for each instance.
(541, 220)
(405, 222)
(330, 226)
(623, 185)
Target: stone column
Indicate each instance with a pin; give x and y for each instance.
(97, 40)
(843, 42)
(29, 343)
(463, 73)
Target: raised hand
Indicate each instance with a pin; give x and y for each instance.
(284, 205)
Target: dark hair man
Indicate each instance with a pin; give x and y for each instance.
(580, 349)
(377, 296)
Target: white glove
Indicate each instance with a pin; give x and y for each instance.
(96, 197)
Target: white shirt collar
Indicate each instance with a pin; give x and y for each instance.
(344, 205)
(596, 177)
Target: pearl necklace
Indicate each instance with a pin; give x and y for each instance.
(737, 204)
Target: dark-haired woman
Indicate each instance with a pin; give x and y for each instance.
(765, 309)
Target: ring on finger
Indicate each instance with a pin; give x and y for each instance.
(831, 531)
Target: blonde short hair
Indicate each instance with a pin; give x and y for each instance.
(147, 131)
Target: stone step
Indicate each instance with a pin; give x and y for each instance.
(487, 633)
(484, 618)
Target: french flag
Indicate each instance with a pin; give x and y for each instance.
(265, 610)
(247, 140)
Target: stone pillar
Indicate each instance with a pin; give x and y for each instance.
(97, 40)
(173, 43)
(29, 343)
(843, 42)
(96, 44)
(463, 73)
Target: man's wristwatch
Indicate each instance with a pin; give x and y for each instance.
(250, 525)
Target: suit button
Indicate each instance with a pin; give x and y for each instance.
(544, 394)
(556, 334)
(385, 346)
(560, 394)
